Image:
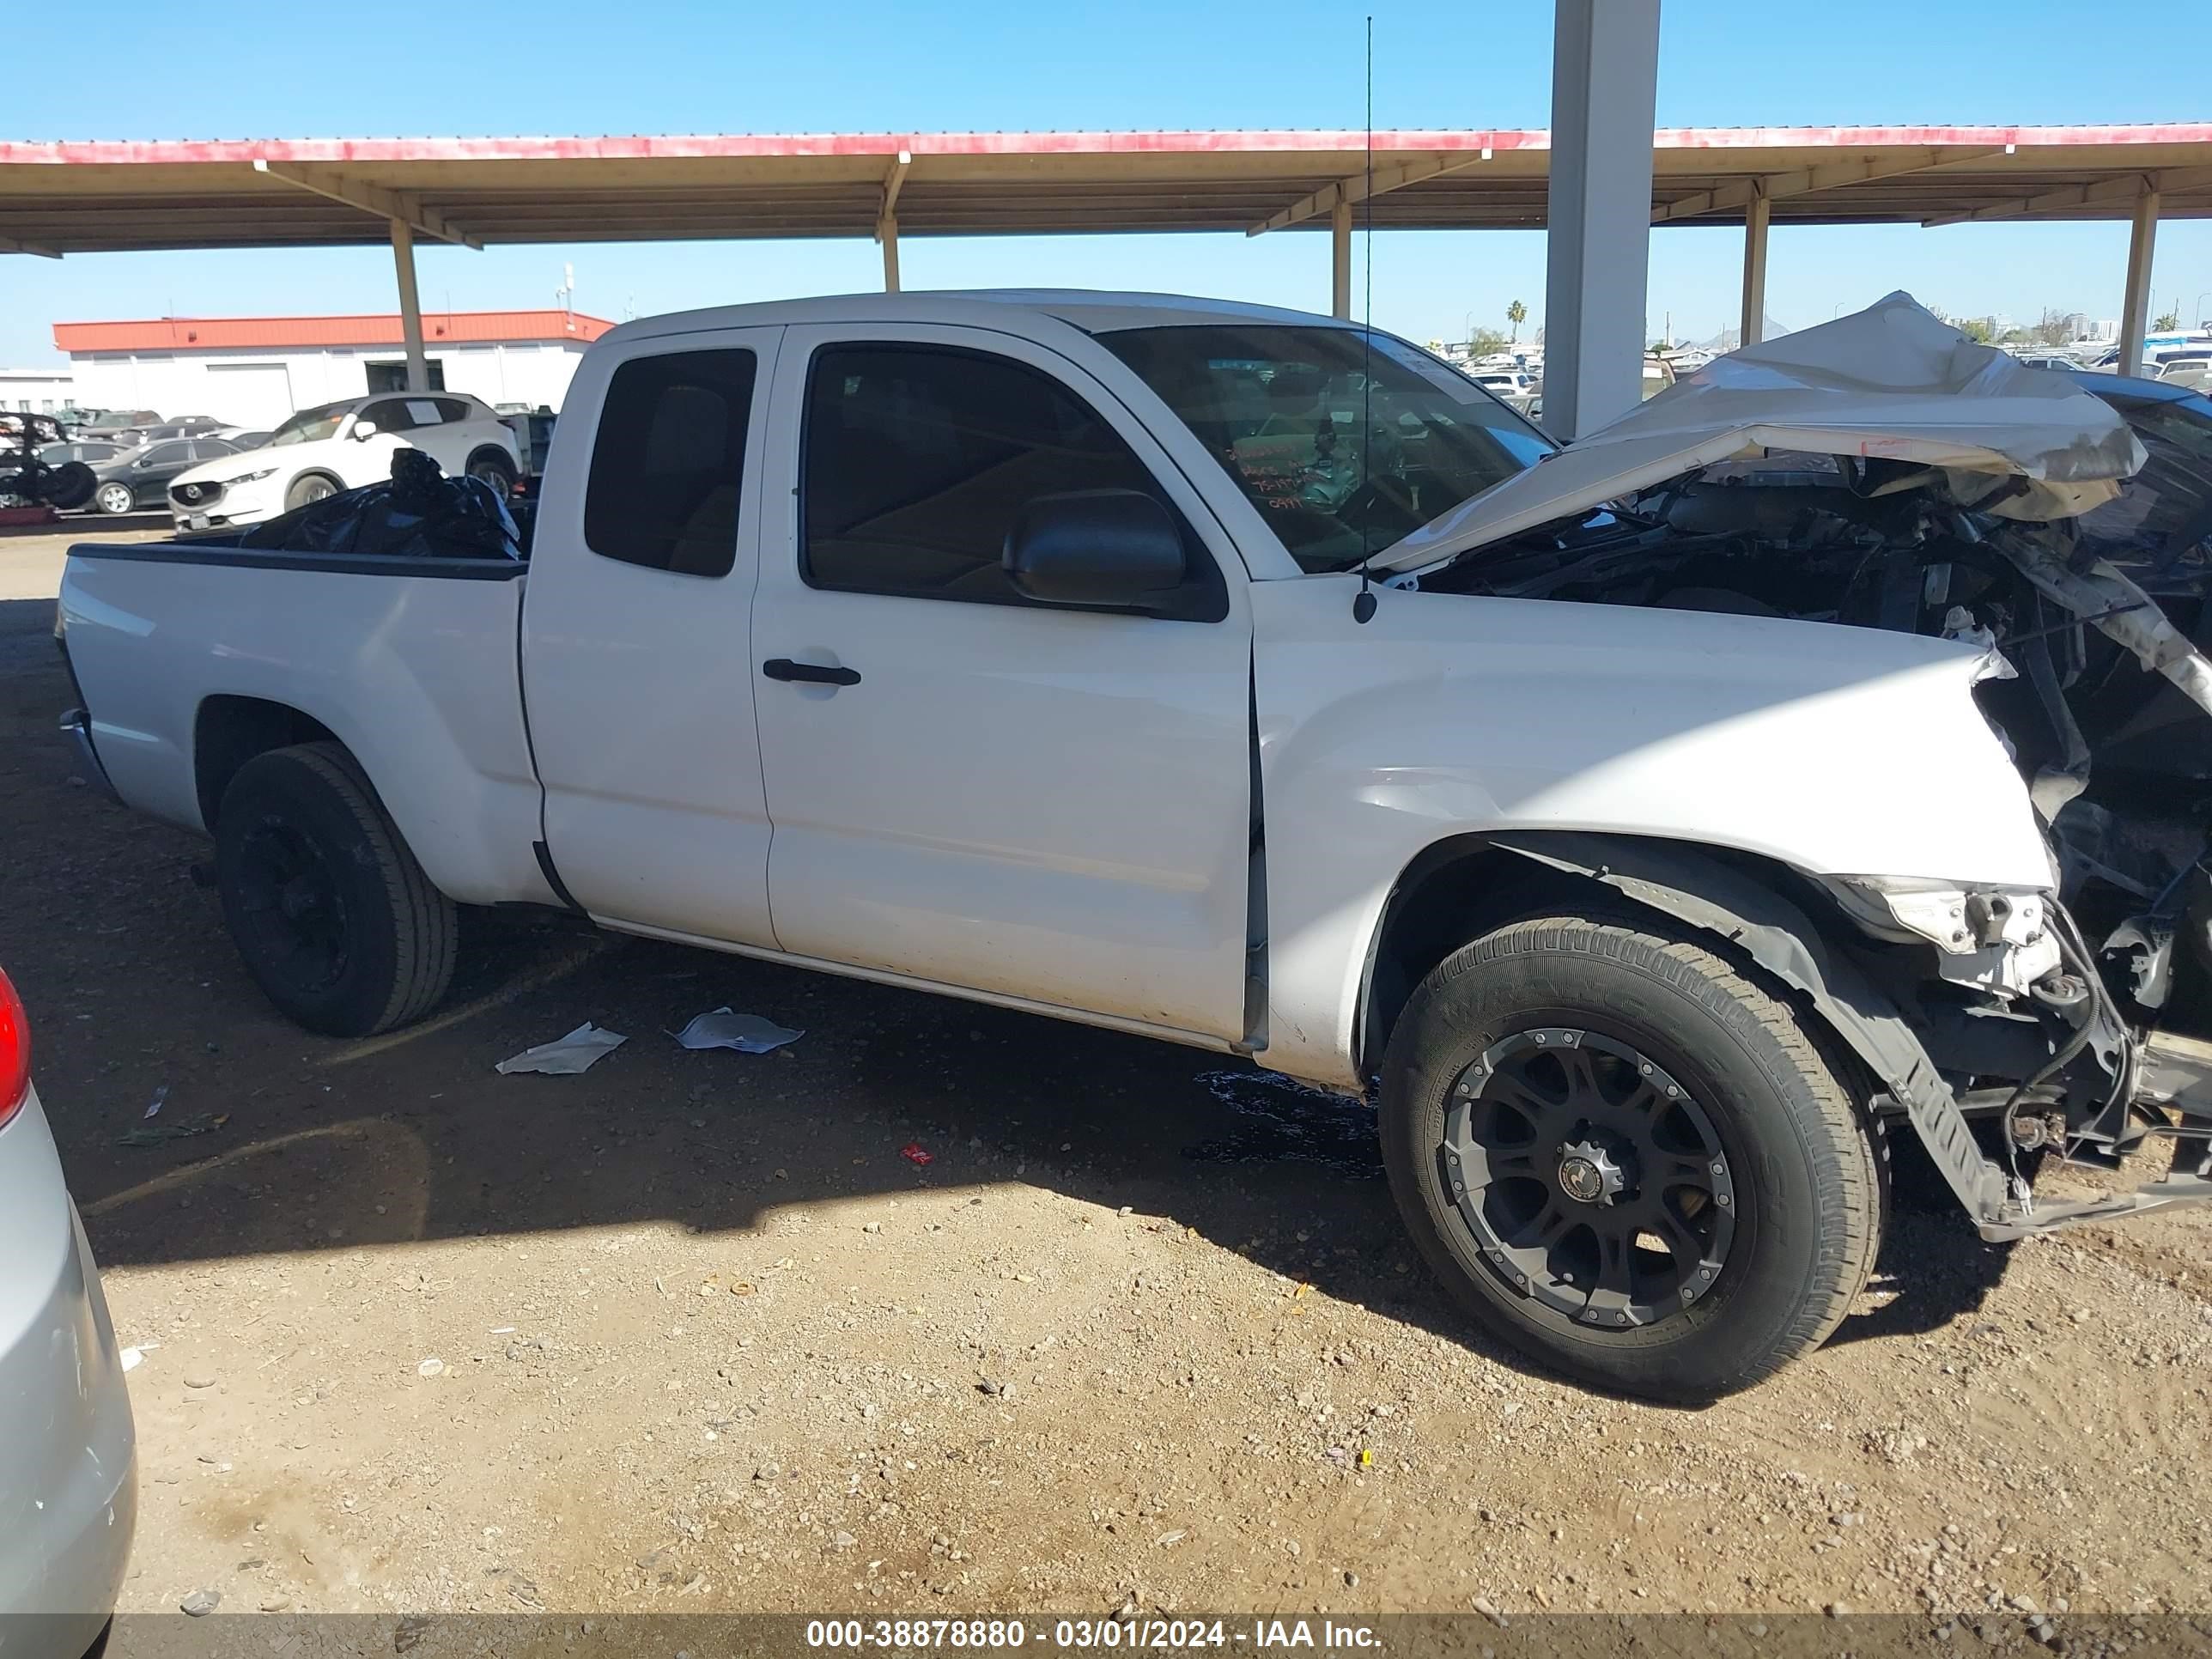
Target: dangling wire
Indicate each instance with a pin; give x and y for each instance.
(1362, 607)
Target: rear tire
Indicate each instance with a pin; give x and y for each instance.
(114, 498)
(495, 470)
(305, 492)
(334, 920)
(71, 486)
(1677, 1246)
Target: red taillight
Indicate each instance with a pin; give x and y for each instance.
(15, 1051)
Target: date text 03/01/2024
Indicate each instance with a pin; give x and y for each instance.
(1141, 1634)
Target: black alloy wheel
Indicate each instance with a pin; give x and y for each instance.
(1591, 1180)
(290, 904)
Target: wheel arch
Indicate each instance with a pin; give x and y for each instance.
(229, 731)
(1757, 910)
(313, 471)
(489, 452)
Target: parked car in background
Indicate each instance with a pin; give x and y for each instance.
(69, 1479)
(114, 422)
(1253, 681)
(343, 445)
(533, 441)
(90, 452)
(190, 426)
(246, 437)
(1515, 387)
(139, 478)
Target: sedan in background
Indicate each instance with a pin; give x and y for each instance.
(139, 478)
(91, 452)
(69, 1479)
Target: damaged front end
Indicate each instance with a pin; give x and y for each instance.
(2066, 535)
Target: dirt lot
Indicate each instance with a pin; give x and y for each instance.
(691, 1332)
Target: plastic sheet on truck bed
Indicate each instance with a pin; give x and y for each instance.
(418, 514)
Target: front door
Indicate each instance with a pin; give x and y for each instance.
(969, 788)
(636, 672)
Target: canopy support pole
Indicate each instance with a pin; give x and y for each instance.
(1755, 217)
(410, 306)
(2135, 309)
(1605, 86)
(1339, 261)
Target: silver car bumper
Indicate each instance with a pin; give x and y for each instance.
(67, 1486)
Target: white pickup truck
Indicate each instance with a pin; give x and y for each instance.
(1147, 662)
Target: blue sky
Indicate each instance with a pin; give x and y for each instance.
(252, 69)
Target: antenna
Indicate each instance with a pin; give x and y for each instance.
(1363, 606)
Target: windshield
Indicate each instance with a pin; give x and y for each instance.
(2163, 514)
(312, 425)
(1343, 448)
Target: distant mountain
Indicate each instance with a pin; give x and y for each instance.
(1727, 340)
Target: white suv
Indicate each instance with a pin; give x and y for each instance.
(343, 445)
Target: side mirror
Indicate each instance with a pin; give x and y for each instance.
(363, 429)
(1113, 547)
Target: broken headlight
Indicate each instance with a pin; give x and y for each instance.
(1998, 939)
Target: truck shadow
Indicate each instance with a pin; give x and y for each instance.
(414, 1137)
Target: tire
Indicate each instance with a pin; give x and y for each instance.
(495, 470)
(1780, 1191)
(71, 486)
(334, 920)
(114, 498)
(308, 489)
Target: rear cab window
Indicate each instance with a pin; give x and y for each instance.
(668, 461)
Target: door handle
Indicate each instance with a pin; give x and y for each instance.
(782, 668)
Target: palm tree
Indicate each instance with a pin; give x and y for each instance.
(1516, 313)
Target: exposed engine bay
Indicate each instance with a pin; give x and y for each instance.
(2096, 680)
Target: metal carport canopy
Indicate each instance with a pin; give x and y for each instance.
(95, 197)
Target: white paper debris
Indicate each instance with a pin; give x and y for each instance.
(160, 1095)
(749, 1033)
(132, 1359)
(577, 1052)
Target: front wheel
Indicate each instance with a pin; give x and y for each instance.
(1627, 1159)
(305, 492)
(336, 920)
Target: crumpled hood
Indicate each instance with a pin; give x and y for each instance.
(1893, 381)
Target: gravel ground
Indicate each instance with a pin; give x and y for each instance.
(694, 1333)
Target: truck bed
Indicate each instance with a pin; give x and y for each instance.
(412, 664)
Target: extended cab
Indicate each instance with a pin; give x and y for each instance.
(342, 446)
(1117, 658)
